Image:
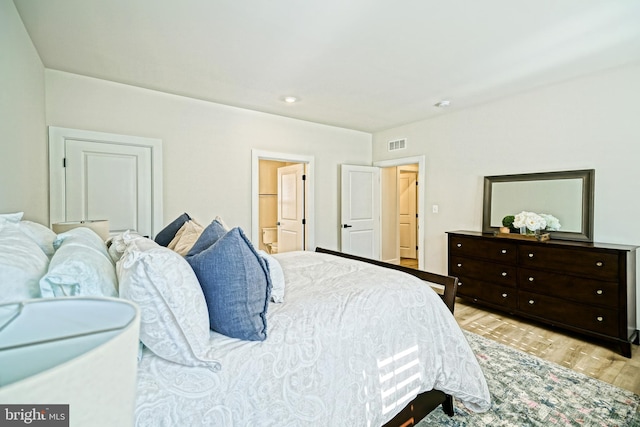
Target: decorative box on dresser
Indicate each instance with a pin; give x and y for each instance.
(583, 287)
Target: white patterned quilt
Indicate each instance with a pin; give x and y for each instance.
(351, 345)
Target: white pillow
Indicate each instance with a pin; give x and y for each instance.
(22, 264)
(12, 218)
(173, 312)
(42, 235)
(80, 266)
(118, 243)
(277, 277)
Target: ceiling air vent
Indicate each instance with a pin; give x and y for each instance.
(398, 144)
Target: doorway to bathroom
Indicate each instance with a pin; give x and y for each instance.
(282, 202)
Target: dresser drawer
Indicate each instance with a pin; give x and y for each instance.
(594, 264)
(579, 289)
(493, 273)
(480, 291)
(495, 250)
(596, 319)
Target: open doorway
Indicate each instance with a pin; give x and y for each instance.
(281, 210)
(402, 211)
(282, 202)
(408, 214)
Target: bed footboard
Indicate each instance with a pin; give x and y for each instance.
(420, 407)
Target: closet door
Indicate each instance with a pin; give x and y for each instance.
(109, 181)
(95, 175)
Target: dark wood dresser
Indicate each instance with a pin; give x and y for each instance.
(587, 288)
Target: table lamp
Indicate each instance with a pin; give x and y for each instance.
(73, 358)
(100, 226)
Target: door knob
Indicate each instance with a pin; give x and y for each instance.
(347, 226)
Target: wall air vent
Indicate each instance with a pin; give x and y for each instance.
(398, 144)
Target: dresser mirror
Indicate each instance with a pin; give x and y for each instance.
(567, 195)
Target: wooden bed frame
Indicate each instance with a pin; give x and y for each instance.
(425, 402)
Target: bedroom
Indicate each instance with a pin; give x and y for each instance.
(587, 121)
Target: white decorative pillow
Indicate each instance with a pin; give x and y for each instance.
(118, 243)
(22, 264)
(186, 237)
(277, 277)
(12, 218)
(80, 266)
(42, 235)
(174, 316)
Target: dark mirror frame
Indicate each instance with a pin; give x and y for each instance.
(588, 177)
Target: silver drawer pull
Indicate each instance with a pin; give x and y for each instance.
(504, 251)
(599, 292)
(599, 318)
(504, 295)
(504, 274)
(599, 263)
(459, 264)
(459, 283)
(459, 245)
(530, 255)
(531, 301)
(531, 279)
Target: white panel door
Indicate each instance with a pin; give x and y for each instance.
(360, 228)
(109, 181)
(291, 211)
(407, 197)
(96, 175)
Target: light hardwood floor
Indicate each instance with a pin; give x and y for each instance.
(595, 359)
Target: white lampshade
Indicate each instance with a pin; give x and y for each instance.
(75, 351)
(100, 226)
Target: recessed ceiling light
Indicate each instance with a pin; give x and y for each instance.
(443, 103)
(290, 99)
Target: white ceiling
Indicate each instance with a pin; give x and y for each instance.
(361, 64)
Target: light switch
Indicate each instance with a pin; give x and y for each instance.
(434, 208)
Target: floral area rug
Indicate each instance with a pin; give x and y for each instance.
(528, 391)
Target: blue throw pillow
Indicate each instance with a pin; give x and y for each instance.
(236, 285)
(166, 235)
(209, 236)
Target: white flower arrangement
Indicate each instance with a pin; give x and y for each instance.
(534, 222)
(553, 223)
(531, 220)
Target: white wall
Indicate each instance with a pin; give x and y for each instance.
(23, 138)
(207, 146)
(588, 123)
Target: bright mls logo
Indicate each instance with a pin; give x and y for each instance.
(34, 415)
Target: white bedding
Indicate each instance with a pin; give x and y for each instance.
(350, 345)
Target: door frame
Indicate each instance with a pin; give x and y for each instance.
(309, 161)
(57, 196)
(421, 162)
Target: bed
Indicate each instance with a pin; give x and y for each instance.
(346, 342)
